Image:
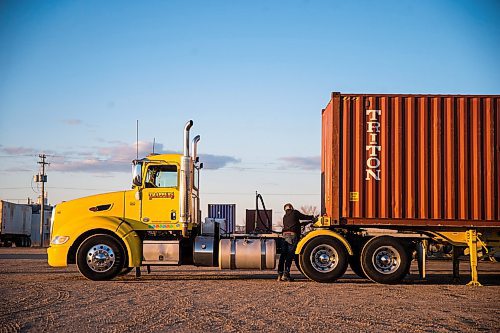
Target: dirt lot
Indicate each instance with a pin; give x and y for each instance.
(38, 298)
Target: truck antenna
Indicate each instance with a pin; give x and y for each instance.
(154, 139)
(137, 138)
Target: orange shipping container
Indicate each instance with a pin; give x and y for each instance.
(411, 160)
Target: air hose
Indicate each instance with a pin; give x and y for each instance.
(258, 197)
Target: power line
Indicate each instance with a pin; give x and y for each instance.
(13, 188)
(79, 188)
(14, 156)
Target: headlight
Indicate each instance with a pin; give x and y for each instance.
(59, 240)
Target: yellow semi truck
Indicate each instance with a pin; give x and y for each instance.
(158, 221)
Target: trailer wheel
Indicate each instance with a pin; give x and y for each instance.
(385, 260)
(324, 259)
(100, 257)
(355, 264)
(19, 242)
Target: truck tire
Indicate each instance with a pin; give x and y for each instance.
(297, 263)
(324, 259)
(100, 257)
(355, 264)
(385, 260)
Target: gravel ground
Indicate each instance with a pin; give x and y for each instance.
(38, 298)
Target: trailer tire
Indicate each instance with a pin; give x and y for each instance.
(385, 260)
(324, 259)
(100, 257)
(355, 264)
(17, 242)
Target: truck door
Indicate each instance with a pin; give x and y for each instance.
(160, 196)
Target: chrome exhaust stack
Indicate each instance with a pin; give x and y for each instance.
(196, 139)
(196, 213)
(185, 183)
(187, 127)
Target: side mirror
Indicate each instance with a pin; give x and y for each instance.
(137, 174)
(137, 181)
(201, 166)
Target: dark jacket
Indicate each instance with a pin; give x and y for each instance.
(291, 220)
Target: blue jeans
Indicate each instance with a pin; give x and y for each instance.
(288, 246)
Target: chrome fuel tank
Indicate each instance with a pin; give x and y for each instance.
(247, 253)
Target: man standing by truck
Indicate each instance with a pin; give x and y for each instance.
(291, 234)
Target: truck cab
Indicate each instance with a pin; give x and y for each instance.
(150, 224)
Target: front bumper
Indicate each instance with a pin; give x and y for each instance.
(58, 255)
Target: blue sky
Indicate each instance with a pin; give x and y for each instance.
(253, 75)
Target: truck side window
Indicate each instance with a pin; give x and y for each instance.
(161, 176)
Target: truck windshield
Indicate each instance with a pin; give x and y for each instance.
(161, 176)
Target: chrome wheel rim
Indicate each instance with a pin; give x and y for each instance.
(386, 259)
(324, 258)
(100, 258)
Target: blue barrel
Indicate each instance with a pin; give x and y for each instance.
(224, 211)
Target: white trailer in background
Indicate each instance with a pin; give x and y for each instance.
(15, 224)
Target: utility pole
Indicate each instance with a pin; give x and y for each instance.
(42, 178)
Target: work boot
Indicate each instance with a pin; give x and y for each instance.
(287, 277)
(280, 277)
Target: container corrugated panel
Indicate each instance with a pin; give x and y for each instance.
(224, 211)
(412, 159)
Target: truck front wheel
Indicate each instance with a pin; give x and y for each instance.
(100, 257)
(385, 260)
(324, 259)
